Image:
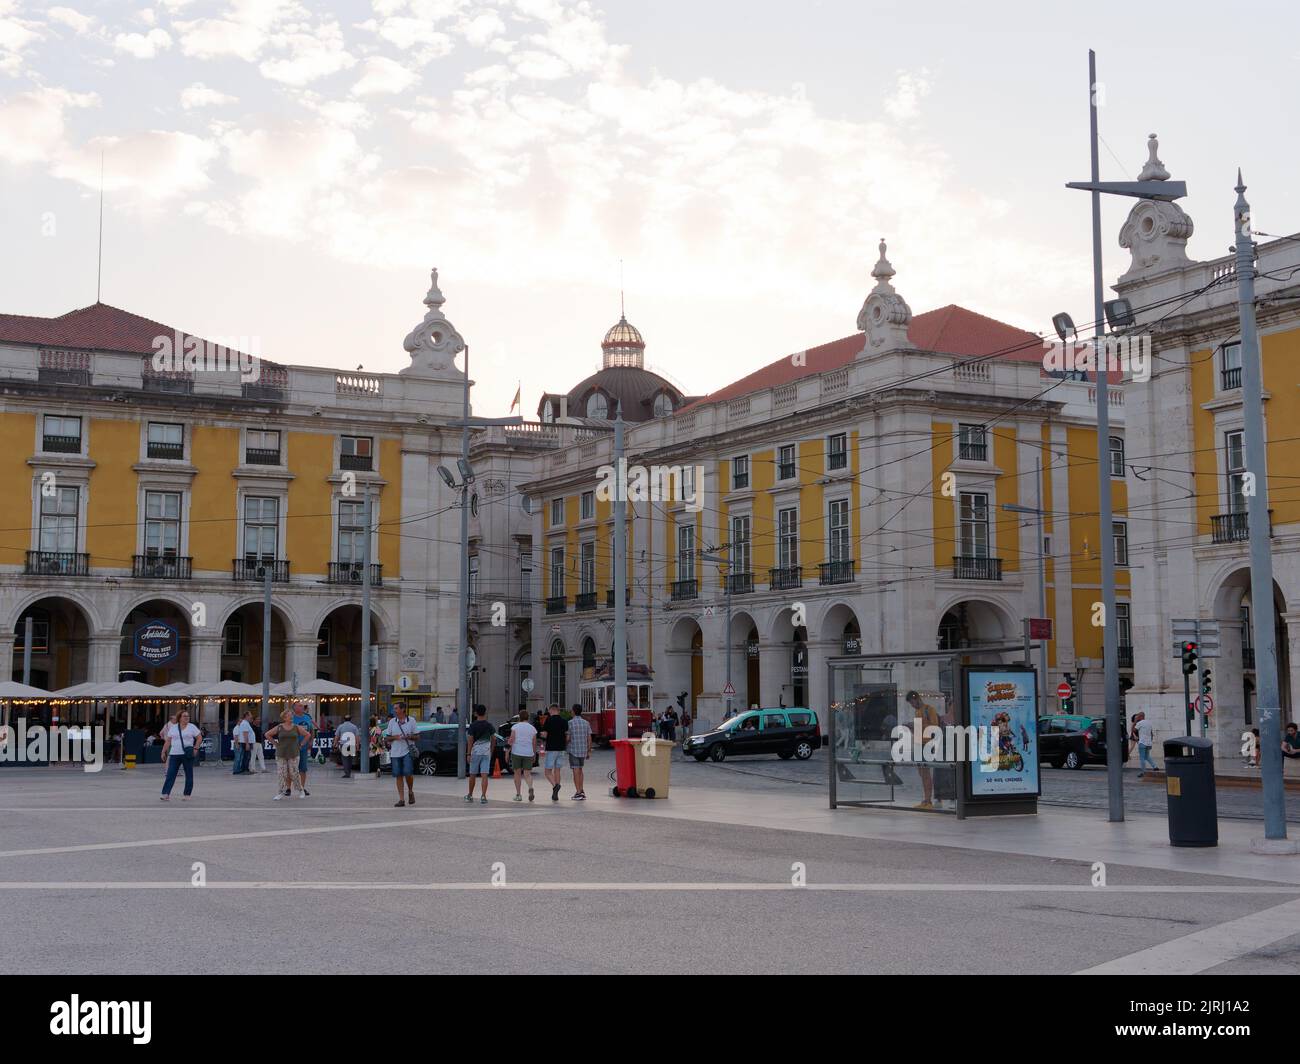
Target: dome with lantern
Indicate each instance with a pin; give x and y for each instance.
(621, 382)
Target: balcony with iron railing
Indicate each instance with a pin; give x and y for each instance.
(160, 567)
(362, 462)
(171, 452)
(965, 567)
(261, 456)
(351, 573)
(1248, 657)
(255, 569)
(61, 444)
(584, 602)
(557, 604)
(56, 563)
(1234, 527)
(974, 451)
(1125, 656)
(740, 583)
(609, 597)
(837, 572)
(1230, 378)
(685, 589)
(785, 578)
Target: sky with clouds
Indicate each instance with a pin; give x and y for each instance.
(291, 170)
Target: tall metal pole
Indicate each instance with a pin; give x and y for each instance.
(462, 700)
(1267, 697)
(620, 580)
(27, 650)
(1042, 587)
(727, 640)
(363, 724)
(1110, 659)
(268, 568)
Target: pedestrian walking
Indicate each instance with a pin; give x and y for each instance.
(347, 739)
(244, 740)
(523, 748)
(579, 749)
(303, 719)
(439, 717)
(555, 735)
(480, 748)
(401, 735)
(258, 762)
(379, 756)
(288, 738)
(1144, 734)
(180, 741)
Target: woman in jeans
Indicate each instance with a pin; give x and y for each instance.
(289, 738)
(178, 752)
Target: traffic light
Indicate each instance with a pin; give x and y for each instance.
(1205, 681)
(1189, 658)
(1067, 704)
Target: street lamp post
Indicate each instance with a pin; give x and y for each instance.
(1140, 189)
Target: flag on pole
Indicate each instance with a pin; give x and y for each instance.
(516, 400)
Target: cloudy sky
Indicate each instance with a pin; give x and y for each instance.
(291, 170)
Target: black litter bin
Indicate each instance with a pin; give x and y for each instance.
(1189, 787)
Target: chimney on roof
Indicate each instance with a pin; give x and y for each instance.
(885, 315)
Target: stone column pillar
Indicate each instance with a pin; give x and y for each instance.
(300, 658)
(105, 657)
(773, 673)
(205, 659)
(819, 694)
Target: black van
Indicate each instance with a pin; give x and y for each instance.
(784, 732)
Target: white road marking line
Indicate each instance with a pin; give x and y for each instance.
(261, 834)
(848, 888)
(1208, 948)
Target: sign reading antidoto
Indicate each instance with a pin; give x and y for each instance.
(157, 643)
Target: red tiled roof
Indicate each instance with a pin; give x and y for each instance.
(98, 327)
(952, 330)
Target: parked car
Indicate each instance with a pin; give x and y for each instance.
(784, 732)
(435, 748)
(1068, 740)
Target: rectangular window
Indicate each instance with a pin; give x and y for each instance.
(356, 452)
(785, 466)
(61, 435)
(686, 552)
(59, 520)
(40, 636)
(261, 528)
(1235, 461)
(557, 513)
(740, 547)
(1230, 373)
(1123, 625)
(685, 484)
(232, 640)
(162, 523)
(837, 451)
(1121, 542)
(974, 537)
(165, 440)
(973, 443)
(473, 576)
(557, 572)
(837, 528)
(587, 573)
(525, 573)
(740, 472)
(352, 531)
(262, 447)
(588, 505)
(1116, 456)
(323, 643)
(788, 538)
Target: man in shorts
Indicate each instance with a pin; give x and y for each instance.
(302, 719)
(480, 748)
(523, 748)
(555, 731)
(401, 734)
(579, 747)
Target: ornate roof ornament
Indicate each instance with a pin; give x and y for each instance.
(1156, 232)
(885, 315)
(434, 343)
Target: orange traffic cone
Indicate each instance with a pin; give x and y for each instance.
(496, 769)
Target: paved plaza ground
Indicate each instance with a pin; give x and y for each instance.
(96, 876)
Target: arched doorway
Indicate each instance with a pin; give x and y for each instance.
(684, 674)
(241, 644)
(744, 660)
(60, 644)
(973, 623)
(338, 645)
(1234, 672)
(588, 655)
(523, 670)
(146, 633)
(556, 679)
(841, 631)
(792, 642)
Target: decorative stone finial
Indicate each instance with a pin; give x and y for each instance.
(1156, 231)
(434, 342)
(885, 315)
(1154, 169)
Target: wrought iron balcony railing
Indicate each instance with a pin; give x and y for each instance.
(57, 563)
(255, 569)
(351, 573)
(160, 567)
(785, 578)
(969, 568)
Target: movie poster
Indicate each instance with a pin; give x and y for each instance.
(1004, 703)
